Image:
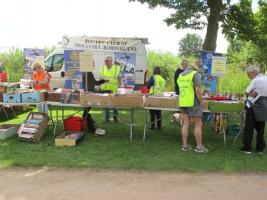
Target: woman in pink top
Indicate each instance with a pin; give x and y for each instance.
(3, 74)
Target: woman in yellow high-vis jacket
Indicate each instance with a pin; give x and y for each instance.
(156, 85)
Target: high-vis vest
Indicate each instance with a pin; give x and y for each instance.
(112, 75)
(159, 84)
(187, 90)
(41, 77)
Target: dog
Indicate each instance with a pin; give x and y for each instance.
(176, 118)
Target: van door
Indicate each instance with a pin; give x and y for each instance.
(54, 65)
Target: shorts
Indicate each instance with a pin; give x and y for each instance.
(196, 111)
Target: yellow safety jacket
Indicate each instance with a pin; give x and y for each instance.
(112, 75)
(159, 84)
(187, 90)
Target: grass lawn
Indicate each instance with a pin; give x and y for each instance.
(114, 151)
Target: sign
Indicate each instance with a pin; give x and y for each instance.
(72, 60)
(105, 43)
(31, 56)
(208, 81)
(127, 63)
(86, 61)
(218, 66)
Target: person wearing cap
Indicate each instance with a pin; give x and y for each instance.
(156, 85)
(190, 102)
(110, 73)
(179, 70)
(256, 113)
(202, 69)
(40, 77)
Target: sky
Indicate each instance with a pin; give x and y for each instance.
(42, 23)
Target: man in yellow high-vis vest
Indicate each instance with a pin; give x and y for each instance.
(190, 103)
(110, 73)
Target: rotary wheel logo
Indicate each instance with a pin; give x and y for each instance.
(74, 56)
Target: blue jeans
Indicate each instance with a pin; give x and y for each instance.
(115, 113)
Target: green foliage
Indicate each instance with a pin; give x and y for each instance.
(235, 80)
(241, 53)
(190, 45)
(241, 24)
(14, 64)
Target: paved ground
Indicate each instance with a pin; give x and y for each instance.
(47, 184)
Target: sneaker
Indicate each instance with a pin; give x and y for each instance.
(201, 149)
(100, 131)
(245, 150)
(186, 147)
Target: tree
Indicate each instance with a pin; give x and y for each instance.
(190, 45)
(242, 24)
(195, 14)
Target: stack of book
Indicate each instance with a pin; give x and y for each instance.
(33, 127)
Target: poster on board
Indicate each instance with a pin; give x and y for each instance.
(218, 66)
(208, 80)
(31, 56)
(127, 63)
(72, 69)
(86, 61)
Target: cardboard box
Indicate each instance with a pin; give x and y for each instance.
(53, 96)
(127, 100)
(32, 97)
(2, 89)
(8, 130)
(75, 98)
(93, 99)
(64, 140)
(11, 98)
(161, 102)
(36, 136)
(1, 97)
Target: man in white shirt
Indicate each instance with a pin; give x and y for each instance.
(256, 114)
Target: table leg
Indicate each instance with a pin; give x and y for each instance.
(56, 122)
(51, 115)
(224, 136)
(62, 114)
(144, 134)
(241, 126)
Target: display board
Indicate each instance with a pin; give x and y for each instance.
(31, 56)
(215, 63)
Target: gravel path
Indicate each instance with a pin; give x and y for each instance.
(48, 184)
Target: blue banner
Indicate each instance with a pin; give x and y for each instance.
(72, 60)
(209, 82)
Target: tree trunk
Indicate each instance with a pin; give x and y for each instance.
(213, 25)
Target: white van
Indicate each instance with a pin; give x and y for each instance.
(129, 53)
